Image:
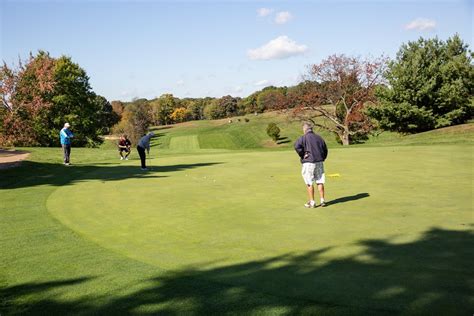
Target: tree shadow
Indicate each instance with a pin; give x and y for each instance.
(159, 128)
(430, 275)
(44, 306)
(180, 167)
(348, 198)
(283, 140)
(32, 173)
(12, 158)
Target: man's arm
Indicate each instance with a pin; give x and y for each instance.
(325, 150)
(299, 147)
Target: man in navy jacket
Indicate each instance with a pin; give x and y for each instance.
(313, 151)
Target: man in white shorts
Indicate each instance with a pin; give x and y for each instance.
(313, 151)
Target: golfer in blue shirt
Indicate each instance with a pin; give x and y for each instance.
(65, 134)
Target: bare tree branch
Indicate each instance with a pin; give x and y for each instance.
(347, 80)
(6, 104)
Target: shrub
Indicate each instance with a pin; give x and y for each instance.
(273, 131)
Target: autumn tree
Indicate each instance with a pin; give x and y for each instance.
(213, 111)
(136, 120)
(342, 87)
(271, 99)
(44, 92)
(221, 108)
(117, 107)
(196, 109)
(228, 105)
(249, 104)
(301, 95)
(162, 108)
(179, 115)
(26, 98)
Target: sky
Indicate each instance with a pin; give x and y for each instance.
(143, 49)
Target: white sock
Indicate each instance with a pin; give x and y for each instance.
(322, 200)
(312, 202)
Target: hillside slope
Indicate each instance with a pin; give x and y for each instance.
(237, 133)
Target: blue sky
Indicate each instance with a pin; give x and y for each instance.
(214, 48)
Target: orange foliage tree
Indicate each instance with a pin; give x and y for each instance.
(338, 89)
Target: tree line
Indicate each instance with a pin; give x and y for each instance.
(429, 84)
(43, 93)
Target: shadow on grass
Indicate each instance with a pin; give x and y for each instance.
(430, 275)
(159, 128)
(35, 173)
(283, 140)
(348, 198)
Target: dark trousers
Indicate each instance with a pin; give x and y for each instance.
(67, 152)
(141, 152)
(127, 152)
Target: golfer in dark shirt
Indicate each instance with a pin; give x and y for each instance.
(124, 145)
(313, 151)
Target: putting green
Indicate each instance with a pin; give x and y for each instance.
(216, 210)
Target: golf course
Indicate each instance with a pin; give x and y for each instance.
(217, 226)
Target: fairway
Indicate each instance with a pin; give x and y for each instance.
(189, 142)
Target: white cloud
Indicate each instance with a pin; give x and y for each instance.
(263, 82)
(283, 17)
(278, 48)
(262, 12)
(421, 24)
(127, 93)
(137, 93)
(238, 89)
(180, 82)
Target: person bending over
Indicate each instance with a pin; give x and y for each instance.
(144, 144)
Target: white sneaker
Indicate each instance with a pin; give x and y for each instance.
(121, 158)
(144, 169)
(126, 158)
(310, 205)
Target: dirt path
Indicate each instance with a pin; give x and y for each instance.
(11, 158)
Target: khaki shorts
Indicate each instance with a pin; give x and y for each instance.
(313, 172)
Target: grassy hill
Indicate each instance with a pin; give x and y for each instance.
(236, 133)
(239, 134)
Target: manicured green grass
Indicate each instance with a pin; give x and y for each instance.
(224, 232)
(239, 134)
(189, 142)
(252, 135)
